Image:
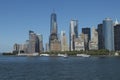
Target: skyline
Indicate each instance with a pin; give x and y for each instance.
(18, 17)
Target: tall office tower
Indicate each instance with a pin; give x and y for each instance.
(32, 42)
(88, 32)
(54, 43)
(93, 44)
(117, 37)
(53, 27)
(73, 34)
(108, 34)
(116, 22)
(40, 43)
(100, 37)
(64, 44)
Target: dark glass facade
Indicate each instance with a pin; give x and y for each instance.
(100, 37)
(117, 37)
(88, 32)
(108, 34)
(53, 23)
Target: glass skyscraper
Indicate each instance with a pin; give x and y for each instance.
(100, 36)
(53, 28)
(88, 32)
(117, 37)
(54, 43)
(108, 34)
(40, 42)
(73, 33)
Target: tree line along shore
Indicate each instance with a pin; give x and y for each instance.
(73, 53)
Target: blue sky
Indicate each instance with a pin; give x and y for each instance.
(17, 17)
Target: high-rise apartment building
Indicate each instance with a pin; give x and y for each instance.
(88, 32)
(32, 42)
(35, 43)
(73, 34)
(64, 43)
(108, 34)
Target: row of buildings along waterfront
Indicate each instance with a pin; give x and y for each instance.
(109, 35)
(105, 36)
(33, 45)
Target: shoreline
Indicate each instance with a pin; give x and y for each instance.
(102, 56)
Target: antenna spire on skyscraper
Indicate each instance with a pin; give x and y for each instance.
(116, 22)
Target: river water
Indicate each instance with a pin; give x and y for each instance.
(59, 68)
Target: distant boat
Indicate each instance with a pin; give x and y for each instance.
(63, 55)
(35, 54)
(83, 55)
(44, 55)
(116, 54)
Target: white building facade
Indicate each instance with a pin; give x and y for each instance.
(93, 44)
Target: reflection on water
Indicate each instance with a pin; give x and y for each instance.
(59, 68)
